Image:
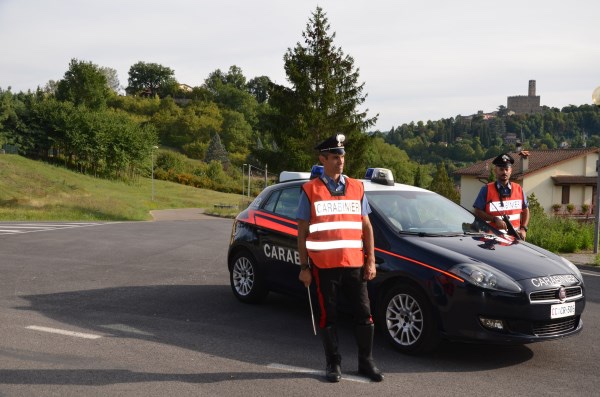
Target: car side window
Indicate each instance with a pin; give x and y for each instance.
(272, 201)
(287, 202)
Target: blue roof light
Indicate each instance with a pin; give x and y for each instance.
(316, 171)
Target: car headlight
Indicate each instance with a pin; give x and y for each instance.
(573, 268)
(485, 276)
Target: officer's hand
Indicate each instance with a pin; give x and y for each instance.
(500, 222)
(305, 277)
(523, 234)
(369, 270)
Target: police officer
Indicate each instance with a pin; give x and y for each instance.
(503, 197)
(334, 231)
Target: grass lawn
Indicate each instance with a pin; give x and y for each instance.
(37, 191)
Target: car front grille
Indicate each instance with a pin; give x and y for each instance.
(551, 295)
(555, 327)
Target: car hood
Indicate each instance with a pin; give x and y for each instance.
(519, 260)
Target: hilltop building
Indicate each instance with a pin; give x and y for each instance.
(524, 104)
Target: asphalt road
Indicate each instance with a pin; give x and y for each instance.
(145, 309)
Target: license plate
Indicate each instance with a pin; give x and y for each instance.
(562, 310)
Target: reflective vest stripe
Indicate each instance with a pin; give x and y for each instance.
(319, 227)
(329, 245)
(514, 217)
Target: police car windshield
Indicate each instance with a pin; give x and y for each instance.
(423, 212)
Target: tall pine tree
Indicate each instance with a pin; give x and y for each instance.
(216, 151)
(323, 100)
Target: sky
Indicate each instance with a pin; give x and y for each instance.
(418, 60)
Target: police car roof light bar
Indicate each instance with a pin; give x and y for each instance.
(286, 176)
(382, 176)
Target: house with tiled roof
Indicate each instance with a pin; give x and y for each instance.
(559, 176)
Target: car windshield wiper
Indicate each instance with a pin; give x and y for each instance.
(474, 233)
(429, 234)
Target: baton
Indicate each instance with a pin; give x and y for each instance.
(312, 316)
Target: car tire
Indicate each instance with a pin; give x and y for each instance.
(246, 280)
(406, 319)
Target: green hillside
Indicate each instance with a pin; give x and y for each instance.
(33, 190)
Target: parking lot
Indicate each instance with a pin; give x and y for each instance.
(145, 308)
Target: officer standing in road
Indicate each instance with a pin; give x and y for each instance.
(334, 231)
(503, 197)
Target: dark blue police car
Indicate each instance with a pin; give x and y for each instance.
(441, 272)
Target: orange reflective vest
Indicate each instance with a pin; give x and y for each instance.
(335, 231)
(511, 206)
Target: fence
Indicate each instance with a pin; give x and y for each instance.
(255, 179)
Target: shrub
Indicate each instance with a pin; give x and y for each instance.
(559, 234)
(585, 208)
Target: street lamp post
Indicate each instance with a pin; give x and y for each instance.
(243, 179)
(152, 157)
(596, 101)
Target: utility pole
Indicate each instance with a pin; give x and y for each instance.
(596, 101)
(243, 179)
(596, 212)
(152, 156)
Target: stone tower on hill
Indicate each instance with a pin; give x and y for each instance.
(525, 104)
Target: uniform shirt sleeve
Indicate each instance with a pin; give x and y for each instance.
(525, 202)
(366, 208)
(303, 211)
(480, 200)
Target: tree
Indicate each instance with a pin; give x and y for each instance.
(442, 184)
(259, 88)
(323, 100)
(234, 78)
(112, 78)
(149, 78)
(84, 84)
(216, 152)
(236, 132)
(417, 182)
(230, 91)
(51, 87)
(388, 156)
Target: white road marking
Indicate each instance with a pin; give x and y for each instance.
(315, 372)
(594, 274)
(63, 332)
(126, 328)
(20, 228)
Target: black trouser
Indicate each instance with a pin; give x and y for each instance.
(350, 282)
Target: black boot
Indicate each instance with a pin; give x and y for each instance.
(333, 371)
(366, 365)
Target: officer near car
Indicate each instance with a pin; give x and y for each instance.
(336, 247)
(502, 200)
